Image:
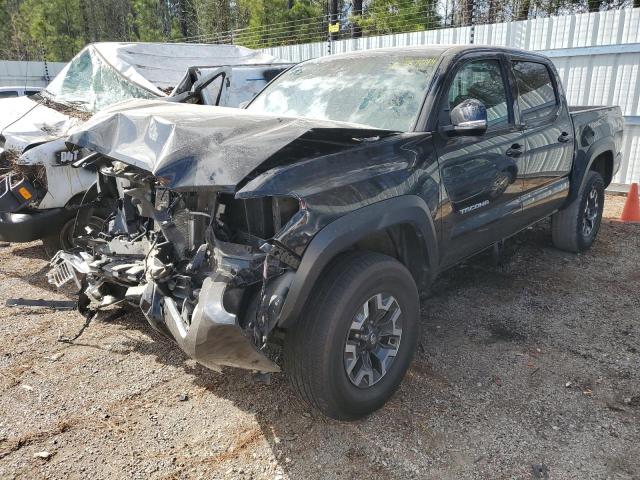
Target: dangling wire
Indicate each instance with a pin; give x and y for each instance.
(261, 314)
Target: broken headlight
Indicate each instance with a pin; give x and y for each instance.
(252, 221)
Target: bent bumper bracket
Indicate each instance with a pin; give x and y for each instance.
(214, 337)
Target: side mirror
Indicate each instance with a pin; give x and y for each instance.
(469, 117)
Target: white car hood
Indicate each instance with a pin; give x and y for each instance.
(24, 122)
(13, 108)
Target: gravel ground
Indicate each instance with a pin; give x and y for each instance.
(527, 369)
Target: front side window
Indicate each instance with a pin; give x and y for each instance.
(482, 80)
(537, 96)
(383, 91)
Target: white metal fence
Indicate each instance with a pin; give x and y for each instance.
(33, 74)
(597, 56)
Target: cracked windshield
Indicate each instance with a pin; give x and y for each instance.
(91, 84)
(380, 91)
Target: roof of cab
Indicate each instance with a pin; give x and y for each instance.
(425, 50)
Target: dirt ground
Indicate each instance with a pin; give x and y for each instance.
(529, 369)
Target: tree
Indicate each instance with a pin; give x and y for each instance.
(279, 22)
(152, 21)
(53, 25)
(396, 16)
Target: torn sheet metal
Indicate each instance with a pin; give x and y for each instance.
(227, 86)
(101, 71)
(213, 337)
(33, 128)
(26, 122)
(158, 66)
(202, 146)
(63, 181)
(14, 109)
(106, 73)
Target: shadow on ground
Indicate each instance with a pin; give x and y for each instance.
(282, 416)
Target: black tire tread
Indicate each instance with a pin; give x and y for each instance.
(51, 245)
(564, 223)
(299, 352)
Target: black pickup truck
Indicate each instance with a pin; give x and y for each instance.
(314, 217)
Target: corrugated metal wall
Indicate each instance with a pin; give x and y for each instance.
(27, 73)
(597, 56)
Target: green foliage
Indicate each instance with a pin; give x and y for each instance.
(397, 16)
(269, 21)
(55, 24)
(58, 29)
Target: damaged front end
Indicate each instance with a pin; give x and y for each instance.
(202, 265)
(22, 189)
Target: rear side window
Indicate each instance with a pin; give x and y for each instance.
(537, 96)
(482, 80)
(8, 94)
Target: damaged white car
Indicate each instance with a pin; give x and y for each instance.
(39, 191)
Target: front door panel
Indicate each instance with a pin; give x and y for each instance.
(481, 175)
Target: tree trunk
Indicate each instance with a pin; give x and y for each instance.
(334, 17)
(465, 13)
(88, 33)
(492, 14)
(523, 11)
(183, 17)
(594, 5)
(356, 30)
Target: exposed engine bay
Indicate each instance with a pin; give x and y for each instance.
(212, 210)
(202, 265)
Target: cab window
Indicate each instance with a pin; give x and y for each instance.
(537, 97)
(482, 80)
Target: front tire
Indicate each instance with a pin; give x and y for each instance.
(350, 350)
(65, 239)
(575, 227)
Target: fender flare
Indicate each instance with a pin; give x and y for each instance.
(583, 163)
(347, 230)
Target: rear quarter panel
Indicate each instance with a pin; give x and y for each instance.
(597, 130)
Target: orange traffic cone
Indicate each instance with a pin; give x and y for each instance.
(631, 210)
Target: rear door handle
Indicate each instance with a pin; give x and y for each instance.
(564, 137)
(515, 150)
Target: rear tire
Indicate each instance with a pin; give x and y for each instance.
(331, 354)
(575, 227)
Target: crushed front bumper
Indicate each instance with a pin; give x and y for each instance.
(210, 335)
(214, 338)
(32, 225)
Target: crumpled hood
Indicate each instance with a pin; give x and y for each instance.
(193, 146)
(24, 122)
(14, 108)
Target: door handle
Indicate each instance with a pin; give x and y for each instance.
(515, 150)
(564, 137)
